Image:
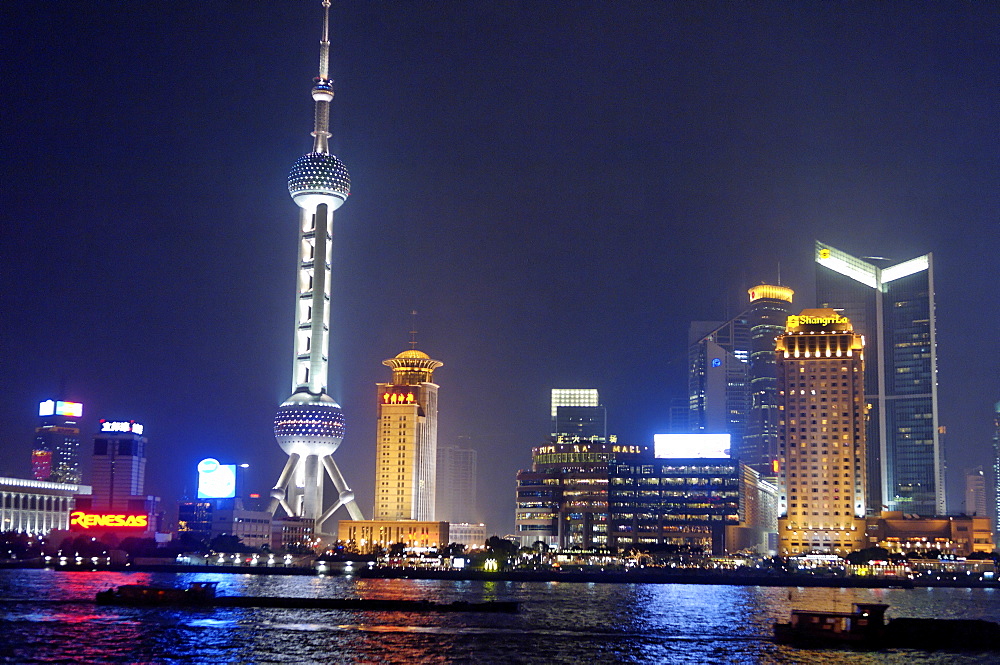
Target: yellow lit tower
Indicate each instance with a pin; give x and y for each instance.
(406, 454)
(821, 441)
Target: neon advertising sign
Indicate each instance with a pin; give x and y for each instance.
(121, 426)
(216, 481)
(69, 409)
(398, 398)
(81, 521)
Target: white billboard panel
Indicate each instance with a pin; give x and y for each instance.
(216, 481)
(685, 446)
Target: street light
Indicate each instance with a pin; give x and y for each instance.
(240, 483)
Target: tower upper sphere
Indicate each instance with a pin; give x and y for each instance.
(318, 177)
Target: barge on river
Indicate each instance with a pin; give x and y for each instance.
(204, 594)
(864, 627)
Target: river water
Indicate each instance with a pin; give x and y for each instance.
(49, 616)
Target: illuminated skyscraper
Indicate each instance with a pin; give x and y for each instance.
(119, 465)
(577, 414)
(821, 443)
(718, 374)
(456, 485)
(766, 317)
(996, 468)
(893, 307)
(309, 425)
(975, 492)
(56, 454)
(406, 461)
(573, 397)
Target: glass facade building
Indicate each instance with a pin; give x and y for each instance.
(581, 423)
(718, 375)
(996, 467)
(562, 500)
(56, 454)
(769, 307)
(682, 502)
(893, 307)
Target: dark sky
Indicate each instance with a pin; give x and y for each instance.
(558, 190)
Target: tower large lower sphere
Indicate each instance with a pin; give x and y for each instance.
(309, 425)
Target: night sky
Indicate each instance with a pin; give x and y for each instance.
(557, 190)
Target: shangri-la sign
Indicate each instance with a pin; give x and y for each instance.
(796, 320)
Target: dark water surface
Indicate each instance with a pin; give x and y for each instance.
(49, 617)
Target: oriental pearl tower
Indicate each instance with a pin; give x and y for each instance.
(309, 425)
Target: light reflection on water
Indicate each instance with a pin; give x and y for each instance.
(43, 621)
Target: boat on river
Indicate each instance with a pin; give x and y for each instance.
(196, 593)
(203, 594)
(865, 627)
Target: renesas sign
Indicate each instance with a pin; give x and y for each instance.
(121, 426)
(80, 520)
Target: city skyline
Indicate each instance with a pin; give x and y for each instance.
(570, 218)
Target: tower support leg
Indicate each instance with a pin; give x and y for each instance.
(280, 490)
(312, 492)
(345, 496)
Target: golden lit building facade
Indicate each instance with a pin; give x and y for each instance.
(371, 535)
(905, 533)
(406, 452)
(821, 442)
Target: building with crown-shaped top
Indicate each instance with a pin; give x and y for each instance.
(821, 443)
(406, 450)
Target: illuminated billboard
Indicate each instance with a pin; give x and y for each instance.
(121, 426)
(687, 446)
(401, 395)
(216, 481)
(80, 520)
(51, 407)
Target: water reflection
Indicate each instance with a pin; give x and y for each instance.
(55, 620)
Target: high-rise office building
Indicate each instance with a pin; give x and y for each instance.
(581, 423)
(677, 416)
(56, 453)
(996, 469)
(119, 465)
(577, 415)
(562, 500)
(118, 503)
(975, 492)
(573, 397)
(821, 443)
(309, 425)
(893, 307)
(766, 317)
(456, 485)
(683, 502)
(406, 454)
(718, 374)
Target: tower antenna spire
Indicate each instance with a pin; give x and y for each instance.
(413, 332)
(322, 92)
